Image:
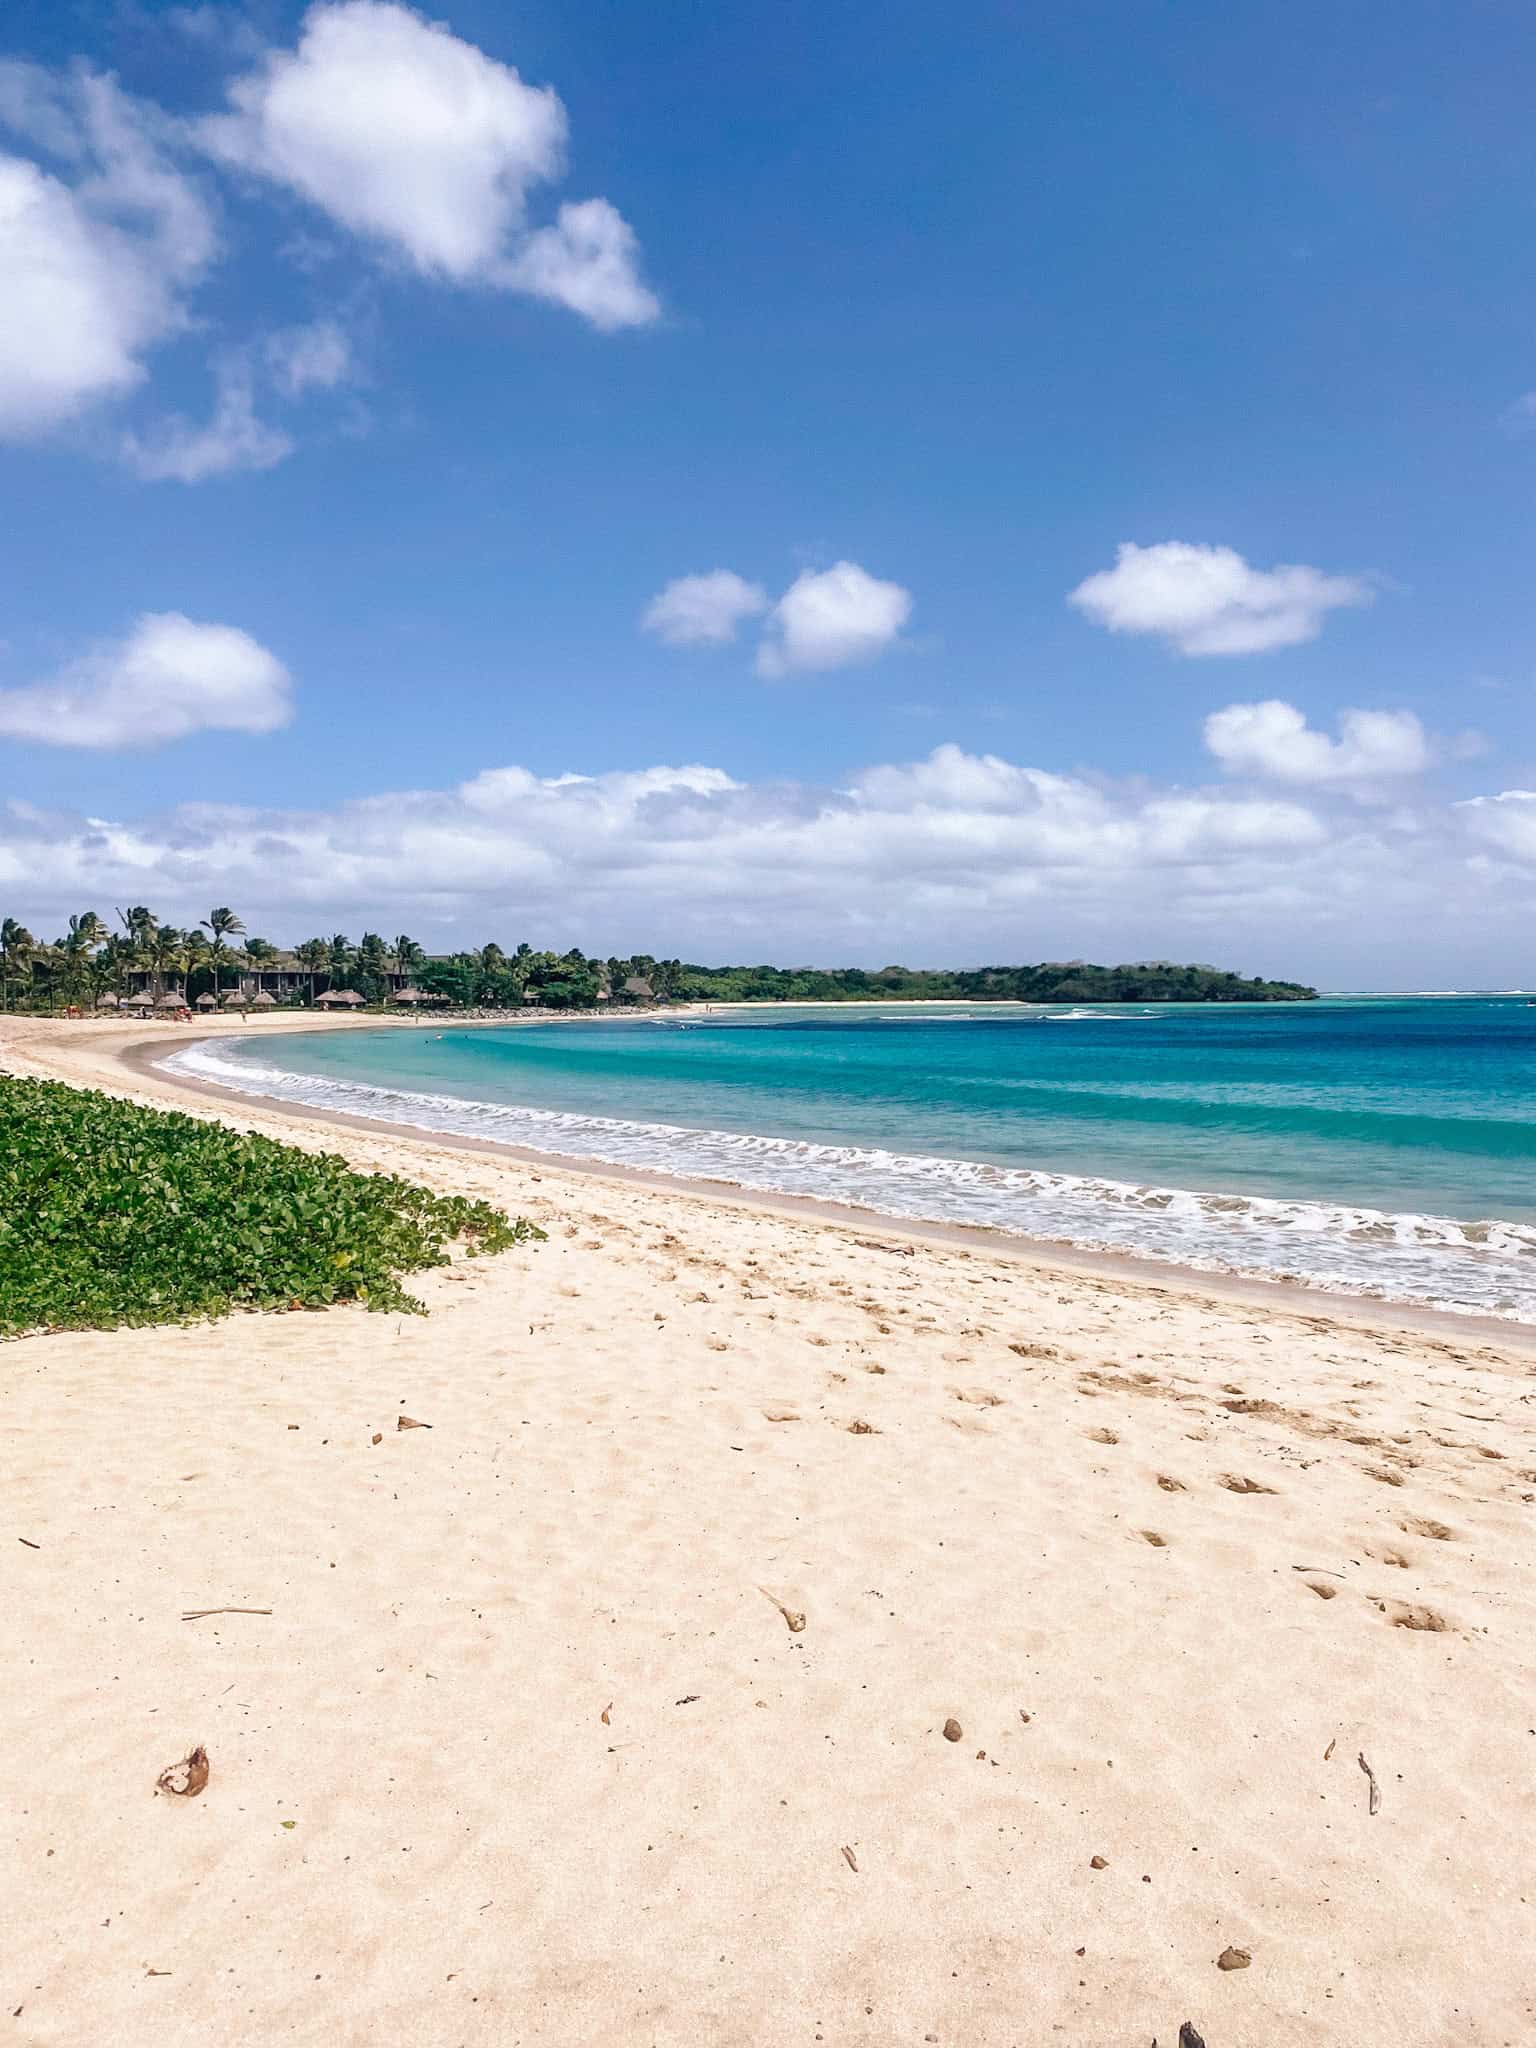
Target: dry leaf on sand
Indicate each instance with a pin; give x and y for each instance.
(187, 1778)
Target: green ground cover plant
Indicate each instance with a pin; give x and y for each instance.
(112, 1213)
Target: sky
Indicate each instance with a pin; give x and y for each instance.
(817, 484)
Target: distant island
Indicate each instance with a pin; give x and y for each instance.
(215, 963)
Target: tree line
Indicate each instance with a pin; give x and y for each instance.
(91, 959)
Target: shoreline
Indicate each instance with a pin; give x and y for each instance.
(1041, 1253)
(623, 1603)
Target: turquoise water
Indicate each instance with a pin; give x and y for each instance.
(1378, 1146)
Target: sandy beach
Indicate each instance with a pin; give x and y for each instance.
(534, 1747)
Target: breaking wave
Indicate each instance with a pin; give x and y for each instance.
(1481, 1268)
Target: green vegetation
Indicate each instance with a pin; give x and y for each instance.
(89, 963)
(111, 1213)
(1053, 981)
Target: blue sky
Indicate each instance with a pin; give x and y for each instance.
(307, 355)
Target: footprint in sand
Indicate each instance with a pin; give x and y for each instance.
(1235, 1482)
(977, 1396)
(1102, 1436)
(1402, 1614)
(1424, 1525)
(1151, 1536)
(1321, 1588)
(1170, 1484)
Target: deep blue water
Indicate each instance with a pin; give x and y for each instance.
(1342, 1142)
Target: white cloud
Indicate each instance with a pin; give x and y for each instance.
(96, 262)
(170, 676)
(1273, 740)
(698, 611)
(589, 262)
(179, 450)
(317, 357)
(833, 618)
(1520, 418)
(956, 857)
(1506, 821)
(407, 135)
(1207, 600)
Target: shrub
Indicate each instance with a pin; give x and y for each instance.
(112, 1213)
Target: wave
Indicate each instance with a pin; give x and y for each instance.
(1097, 1017)
(1481, 1268)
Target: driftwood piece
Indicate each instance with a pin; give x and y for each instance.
(202, 1613)
(1375, 1803)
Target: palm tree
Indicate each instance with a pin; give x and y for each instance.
(259, 953)
(220, 925)
(408, 955)
(17, 947)
(85, 934)
(313, 954)
(372, 960)
(168, 953)
(139, 925)
(339, 955)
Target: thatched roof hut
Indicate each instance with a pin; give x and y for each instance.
(263, 1000)
(142, 1001)
(207, 1001)
(173, 999)
(235, 999)
(348, 996)
(409, 995)
(106, 1000)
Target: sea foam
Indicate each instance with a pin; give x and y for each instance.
(1482, 1268)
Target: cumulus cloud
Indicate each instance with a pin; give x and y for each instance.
(1208, 600)
(168, 677)
(951, 858)
(833, 618)
(1506, 822)
(828, 618)
(701, 611)
(1273, 740)
(97, 258)
(417, 140)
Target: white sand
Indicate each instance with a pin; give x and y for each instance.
(642, 1437)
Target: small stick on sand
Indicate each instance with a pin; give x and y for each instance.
(1317, 1568)
(202, 1613)
(29, 1543)
(1328, 1752)
(850, 1859)
(792, 1615)
(1375, 1788)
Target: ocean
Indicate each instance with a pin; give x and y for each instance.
(1372, 1146)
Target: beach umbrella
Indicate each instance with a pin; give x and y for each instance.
(262, 1001)
(108, 1001)
(207, 1002)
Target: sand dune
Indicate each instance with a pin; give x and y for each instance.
(528, 1750)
